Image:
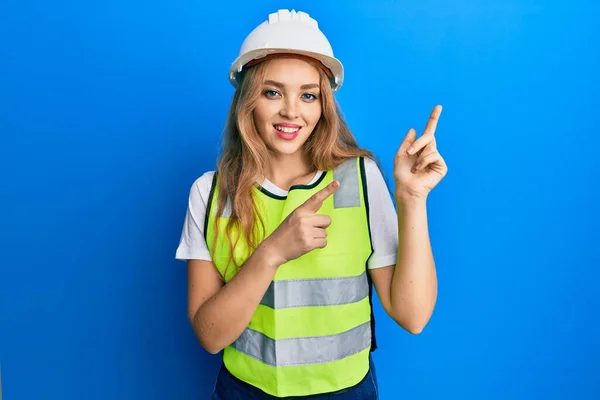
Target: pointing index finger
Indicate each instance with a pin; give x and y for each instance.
(433, 120)
(428, 134)
(314, 203)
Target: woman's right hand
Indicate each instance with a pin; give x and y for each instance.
(303, 230)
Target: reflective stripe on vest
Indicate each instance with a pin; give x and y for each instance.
(348, 195)
(316, 292)
(302, 351)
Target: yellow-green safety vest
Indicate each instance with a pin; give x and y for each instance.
(312, 331)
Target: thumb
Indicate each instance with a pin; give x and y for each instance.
(408, 140)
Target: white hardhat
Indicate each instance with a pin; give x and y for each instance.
(288, 32)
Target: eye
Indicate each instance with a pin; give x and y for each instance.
(271, 93)
(309, 96)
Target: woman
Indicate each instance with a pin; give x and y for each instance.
(286, 239)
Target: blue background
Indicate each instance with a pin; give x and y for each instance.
(109, 110)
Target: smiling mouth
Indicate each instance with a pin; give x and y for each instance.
(286, 129)
(287, 132)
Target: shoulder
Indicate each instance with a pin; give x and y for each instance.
(201, 187)
(192, 244)
(371, 165)
(374, 175)
(383, 221)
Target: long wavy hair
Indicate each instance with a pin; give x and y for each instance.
(245, 155)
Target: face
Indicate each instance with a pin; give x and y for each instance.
(289, 106)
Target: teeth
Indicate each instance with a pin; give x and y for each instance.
(286, 129)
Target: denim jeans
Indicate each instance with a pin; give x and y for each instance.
(230, 388)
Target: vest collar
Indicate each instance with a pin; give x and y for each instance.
(269, 189)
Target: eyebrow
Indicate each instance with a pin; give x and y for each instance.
(281, 85)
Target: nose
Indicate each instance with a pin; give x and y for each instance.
(289, 108)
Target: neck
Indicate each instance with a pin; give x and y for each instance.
(287, 170)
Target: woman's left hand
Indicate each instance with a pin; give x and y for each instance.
(418, 166)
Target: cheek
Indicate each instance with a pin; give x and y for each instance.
(315, 115)
(262, 116)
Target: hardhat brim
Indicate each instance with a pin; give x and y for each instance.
(331, 63)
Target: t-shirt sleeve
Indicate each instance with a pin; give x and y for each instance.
(382, 218)
(192, 245)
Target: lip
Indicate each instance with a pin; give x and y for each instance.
(288, 125)
(287, 136)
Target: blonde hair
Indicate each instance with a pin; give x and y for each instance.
(244, 159)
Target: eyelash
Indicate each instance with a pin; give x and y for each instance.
(269, 91)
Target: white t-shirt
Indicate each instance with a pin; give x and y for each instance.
(382, 218)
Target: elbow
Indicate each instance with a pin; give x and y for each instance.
(411, 326)
(414, 326)
(414, 329)
(412, 319)
(211, 348)
(209, 343)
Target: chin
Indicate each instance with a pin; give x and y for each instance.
(287, 149)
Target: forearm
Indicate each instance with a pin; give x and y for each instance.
(414, 285)
(222, 318)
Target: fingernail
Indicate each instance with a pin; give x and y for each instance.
(336, 184)
(410, 150)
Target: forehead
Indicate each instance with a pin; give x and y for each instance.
(292, 71)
